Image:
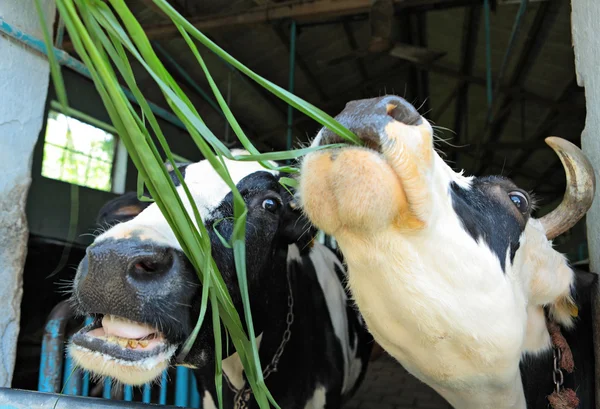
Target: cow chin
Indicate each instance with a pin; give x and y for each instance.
(130, 352)
(373, 187)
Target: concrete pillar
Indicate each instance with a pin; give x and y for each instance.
(24, 78)
(585, 26)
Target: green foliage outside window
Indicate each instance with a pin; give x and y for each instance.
(78, 153)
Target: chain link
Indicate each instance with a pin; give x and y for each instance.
(557, 375)
(242, 396)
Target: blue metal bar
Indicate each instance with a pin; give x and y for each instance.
(162, 398)
(127, 393)
(85, 387)
(290, 112)
(181, 386)
(106, 393)
(146, 396)
(52, 348)
(194, 395)
(71, 377)
(68, 61)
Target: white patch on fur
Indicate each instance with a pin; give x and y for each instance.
(318, 399)
(127, 372)
(208, 401)
(233, 368)
(207, 190)
(324, 262)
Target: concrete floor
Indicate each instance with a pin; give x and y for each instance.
(388, 386)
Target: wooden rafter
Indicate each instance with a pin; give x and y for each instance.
(292, 9)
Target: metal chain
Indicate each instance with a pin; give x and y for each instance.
(557, 375)
(242, 396)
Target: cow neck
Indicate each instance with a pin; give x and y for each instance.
(242, 396)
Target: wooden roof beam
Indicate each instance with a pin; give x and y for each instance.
(294, 9)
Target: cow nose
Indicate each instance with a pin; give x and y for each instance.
(139, 265)
(367, 118)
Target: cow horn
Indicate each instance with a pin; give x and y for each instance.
(579, 194)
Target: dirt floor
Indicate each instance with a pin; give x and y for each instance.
(388, 386)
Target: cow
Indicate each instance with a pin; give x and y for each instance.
(145, 297)
(451, 273)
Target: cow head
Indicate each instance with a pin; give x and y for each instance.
(435, 254)
(144, 294)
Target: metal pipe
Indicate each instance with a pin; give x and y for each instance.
(162, 398)
(181, 386)
(68, 61)
(52, 348)
(290, 113)
(146, 395)
(511, 44)
(71, 377)
(128, 393)
(194, 395)
(17, 398)
(106, 392)
(85, 388)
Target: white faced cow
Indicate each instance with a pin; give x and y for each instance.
(450, 272)
(145, 297)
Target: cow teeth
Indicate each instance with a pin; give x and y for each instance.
(122, 342)
(112, 340)
(133, 343)
(144, 343)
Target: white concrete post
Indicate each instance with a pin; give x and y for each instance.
(24, 78)
(585, 27)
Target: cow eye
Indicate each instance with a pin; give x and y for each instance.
(270, 204)
(519, 200)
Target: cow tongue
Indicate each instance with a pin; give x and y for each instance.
(124, 328)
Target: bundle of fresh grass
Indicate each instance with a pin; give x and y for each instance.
(106, 35)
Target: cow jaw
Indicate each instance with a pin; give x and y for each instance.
(128, 351)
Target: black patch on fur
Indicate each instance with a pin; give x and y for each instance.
(489, 216)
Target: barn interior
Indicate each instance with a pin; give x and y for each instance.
(495, 77)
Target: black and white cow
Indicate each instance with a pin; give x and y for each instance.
(451, 273)
(145, 297)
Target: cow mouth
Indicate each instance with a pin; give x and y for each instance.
(132, 352)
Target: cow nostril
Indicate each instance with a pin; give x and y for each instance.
(149, 266)
(146, 266)
(402, 111)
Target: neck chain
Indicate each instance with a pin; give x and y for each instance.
(242, 396)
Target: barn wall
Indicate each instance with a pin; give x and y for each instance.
(585, 27)
(49, 204)
(23, 86)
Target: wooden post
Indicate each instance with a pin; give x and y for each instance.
(585, 25)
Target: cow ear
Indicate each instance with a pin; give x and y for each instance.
(121, 209)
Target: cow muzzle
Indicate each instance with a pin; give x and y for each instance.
(384, 182)
(125, 286)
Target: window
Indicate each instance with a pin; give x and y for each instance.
(82, 154)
